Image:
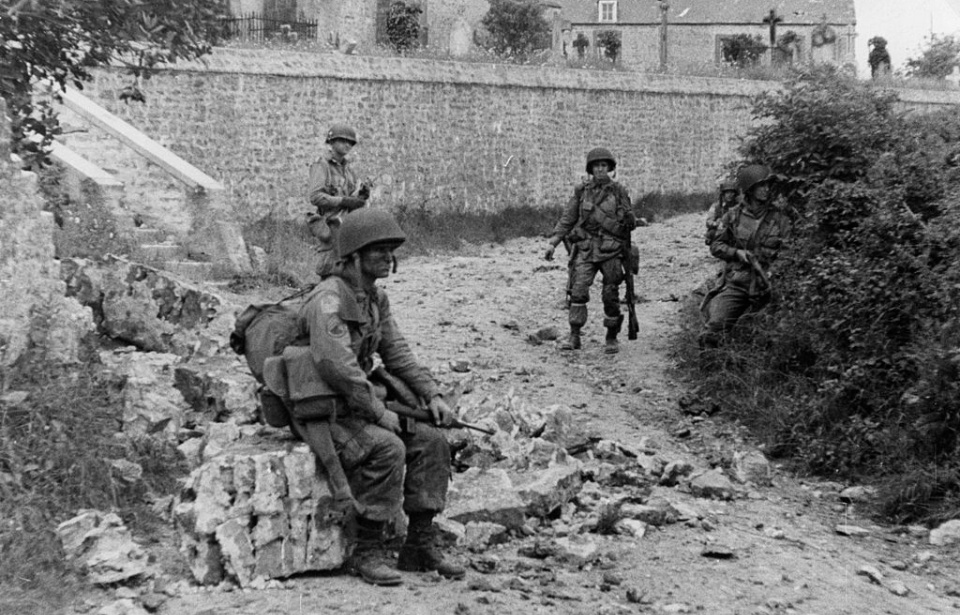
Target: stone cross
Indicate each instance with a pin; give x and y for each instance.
(773, 19)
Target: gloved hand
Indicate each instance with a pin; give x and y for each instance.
(364, 192)
(548, 255)
(351, 202)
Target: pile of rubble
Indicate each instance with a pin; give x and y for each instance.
(254, 506)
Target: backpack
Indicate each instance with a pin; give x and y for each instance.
(264, 330)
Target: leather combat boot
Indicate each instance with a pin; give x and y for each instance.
(573, 342)
(611, 345)
(369, 559)
(420, 553)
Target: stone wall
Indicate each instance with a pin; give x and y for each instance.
(439, 135)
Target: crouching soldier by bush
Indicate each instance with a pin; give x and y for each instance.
(333, 190)
(726, 201)
(346, 320)
(748, 240)
(597, 221)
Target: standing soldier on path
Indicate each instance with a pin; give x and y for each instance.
(748, 240)
(389, 464)
(333, 191)
(597, 220)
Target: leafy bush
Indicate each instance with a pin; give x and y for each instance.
(403, 25)
(854, 369)
(742, 49)
(937, 59)
(516, 28)
(609, 40)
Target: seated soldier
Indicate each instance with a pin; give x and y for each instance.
(346, 321)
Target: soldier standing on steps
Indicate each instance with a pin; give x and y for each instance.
(597, 220)
(333, 191)
(346, 322)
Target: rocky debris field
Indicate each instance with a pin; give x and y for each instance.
(604, 489)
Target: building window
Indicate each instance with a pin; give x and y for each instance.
(608, 11)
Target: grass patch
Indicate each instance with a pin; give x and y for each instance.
(654, 206)
(55, 452)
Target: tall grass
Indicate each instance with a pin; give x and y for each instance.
(55, 452)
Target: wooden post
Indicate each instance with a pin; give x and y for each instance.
(664, 7)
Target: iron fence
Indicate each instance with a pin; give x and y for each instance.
(255, 26)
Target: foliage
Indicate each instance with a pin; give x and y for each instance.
(937, 60)
(60, 41)
(854, 369)
(403, 25)
(516, 27)
(742, 49)
(580, 44)
(56, 449)
(609, 40)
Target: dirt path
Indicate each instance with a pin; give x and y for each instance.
(786, 557)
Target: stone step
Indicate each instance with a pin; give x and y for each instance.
(191, 270)
(147, 235)
(160, 252)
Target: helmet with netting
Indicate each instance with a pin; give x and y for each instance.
(751, 175)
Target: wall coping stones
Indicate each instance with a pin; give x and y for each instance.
(379, 68)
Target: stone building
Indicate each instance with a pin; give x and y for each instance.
(699, 33)
(707, 32)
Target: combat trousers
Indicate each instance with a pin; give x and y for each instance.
(386, 470)
(584, 272)
(724, 310)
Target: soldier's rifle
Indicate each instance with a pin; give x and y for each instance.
(403, 401)
(633, 327)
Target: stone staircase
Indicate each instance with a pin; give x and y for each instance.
(152, 194)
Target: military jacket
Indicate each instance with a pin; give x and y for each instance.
(345, 326)
(598, 219)
(761, 234)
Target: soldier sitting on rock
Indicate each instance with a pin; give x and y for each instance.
(346, 321)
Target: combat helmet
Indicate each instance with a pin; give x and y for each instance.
(600, 153)
(751, 175)
(728, 185)
(364, 227)
(342, 131)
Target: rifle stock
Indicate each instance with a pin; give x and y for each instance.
(633, 327)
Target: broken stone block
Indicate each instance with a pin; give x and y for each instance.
(220, 389)
(712, 484)
(858, 494)
(485, 495)
(100, 544)
(751, 467)
(946, 534)
(256, 511)
(151, 404)
(576, 549)
(674, 472)
(478, 535)
(656, 515)
(651, 465)
(218, 438)
(631, 527)
(124, 606)
(149, 308)
(552, 487)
